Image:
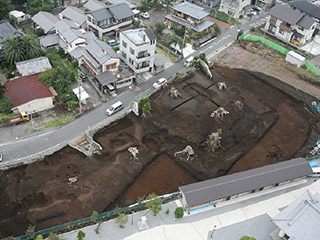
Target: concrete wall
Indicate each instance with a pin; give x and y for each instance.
(36, 105)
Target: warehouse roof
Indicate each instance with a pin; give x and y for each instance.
(229, 185)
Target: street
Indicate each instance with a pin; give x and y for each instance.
(25, 147)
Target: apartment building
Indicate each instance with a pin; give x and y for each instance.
(137, 49)
(290, 25)
(109, 21)
(189, 16)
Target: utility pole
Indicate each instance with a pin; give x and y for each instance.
(79, 90)
(32, 122)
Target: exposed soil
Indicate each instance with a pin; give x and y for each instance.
(272, 127)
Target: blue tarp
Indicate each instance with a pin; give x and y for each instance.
(313, 164)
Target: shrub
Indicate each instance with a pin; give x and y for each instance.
(122, 219)
(5, 105)
(94, 215)
(40, 32)
(247, 238)
(179, 212)
(81, 235)
(179, 32)
(145, 105)
(154, 203)
(116, 48)
(167, 211)
(72, 104)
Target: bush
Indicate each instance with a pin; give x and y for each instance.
(167, 211)
(81, 235)
(179, 32)
(116, 48)
(179, 212)
(5, 105)
(247, 238)
(40, 32)
(72, 104)
(154, 203)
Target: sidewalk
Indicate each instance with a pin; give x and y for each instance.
(237, 216)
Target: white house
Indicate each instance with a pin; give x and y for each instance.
(234, 8)
(19, 16)
(110, 20)
(28, 94)
(290, 25)
(75, 15)
(137, 49)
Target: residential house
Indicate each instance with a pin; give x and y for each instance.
(65, 3)
(75, 15)
(46, 21)
(96, 56)
(110, 20)
(290, 25)
(19, 16)
(307, 8)
(49, 41)
(28, 94)
(7, 31)
(234, 8)
(93, 5)
(33, 66)
(211, 192)
(137, 49)
(115, 2)
(189, 16)
(300, 219)
(265, 4)
(71, 36)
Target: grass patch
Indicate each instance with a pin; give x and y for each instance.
(59, 122)
(5, 117)
(223, 17)
(163, 52)
(30, 130)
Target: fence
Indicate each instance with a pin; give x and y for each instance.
(102, 216)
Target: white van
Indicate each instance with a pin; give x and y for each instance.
(116, 107)
(188, 61)
(316, 173)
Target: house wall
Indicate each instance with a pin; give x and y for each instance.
(75, 44)
(233, 8)
(36, 105)
(131, 59)
(111, 65)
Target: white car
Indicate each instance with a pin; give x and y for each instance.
(159, 83)
(146, 15)
(0, 157)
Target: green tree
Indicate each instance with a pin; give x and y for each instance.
(31, 230)
(47, 77)
(154, 203)
(6, 7)
(31, 46)
(40, 32)
(140, 200)
(63, 79)
(247, 238)
(158, 28)
(13, 50)
(144, 6)
(39, 237)
(145, 105)
(168, 3)
(53, 236)
(217, 29)
(5, 105)
(122, 220)
(94, 215)
(81, 235)
(179, 212)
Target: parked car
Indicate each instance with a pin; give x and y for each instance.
(113, 42)
(116, 107)
(0, 157)
(159, 83)
(145, 15)
(188, 62)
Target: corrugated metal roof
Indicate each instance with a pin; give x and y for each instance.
(101, 14)
(306, 22)
(121, 11)
(33, 66)
(150, 34)
(50, 40)
(8, 31)
(93, 5)
(286, 14)
(300, 220)
(307, 7)
(225, 186)
(100, 51)
(106, 77)
(74, 14)
(45, 20)
(190, 9)
(196, 27)
(25, 89)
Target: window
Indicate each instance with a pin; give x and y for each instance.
(281, 31)
(273, 18)
(124, 44)
(286, 24)
(89, 19)
(272, 28)
(124, 55)
(132, 51)
(301, 28)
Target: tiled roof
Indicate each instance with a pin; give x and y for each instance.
(33, 66)
(190, 9)
(74, 14)
(45, 20)
(25, 89)
(8, 31)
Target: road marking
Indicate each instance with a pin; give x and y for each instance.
(232, 26)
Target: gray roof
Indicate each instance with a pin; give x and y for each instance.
(225, 186)
(93, 5)
(101, 14)
(150, 34)
(307, 7)
(190, 9)
(291, 16)
(45, 20)
(121, 11)
(74, 14)
(50, 40)
(100, 51)
(300, 220)
(106, 77)
(33, 66)
(114, 2)
(77, 52)
(196, 27)
(65, 24)
(8, 31)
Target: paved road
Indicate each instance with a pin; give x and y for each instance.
(32, 145)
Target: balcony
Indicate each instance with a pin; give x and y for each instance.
(143, 56)
(142, 66)
(285, 28)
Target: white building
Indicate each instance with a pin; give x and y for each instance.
(290, 25)
(110, 20)
(137, 49)
(19, 16)
(234, 8)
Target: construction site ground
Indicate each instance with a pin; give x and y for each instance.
(277, 123)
